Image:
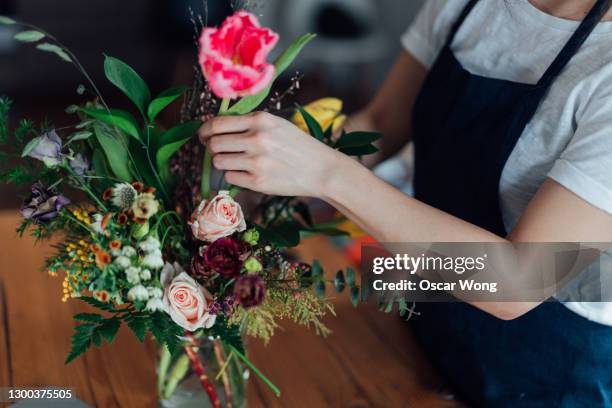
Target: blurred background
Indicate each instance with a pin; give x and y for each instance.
(358, 40)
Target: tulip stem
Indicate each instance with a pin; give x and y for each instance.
(207, 162)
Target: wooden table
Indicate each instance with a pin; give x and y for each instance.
(370, 360)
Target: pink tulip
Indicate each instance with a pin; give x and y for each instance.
(233, 56)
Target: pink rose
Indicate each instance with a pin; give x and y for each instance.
(185, 300)
(233, 57)
(217, 218)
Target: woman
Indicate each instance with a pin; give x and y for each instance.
(509, 105)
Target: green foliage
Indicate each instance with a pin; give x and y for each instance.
(165, 331)
(249, 103)
(171, 142)
(95, 328)
(52, 48)
(357, 139)
(116, 117)
(7, 21)
(313, 126)
(228, 333)
(18, 175)
(128, 81)
(29, 36)
(163, 100)
(283, 235)
(113, 145)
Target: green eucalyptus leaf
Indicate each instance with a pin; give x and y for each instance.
(114, 147)
(339, 281)
(47, 47)
(316, 270)
(116, 117)
(128, 81)
(350, 277)
(163, 100)
(29, 36)
(355, 296)
(320, 288)
(249, 103)
(360, 150)
(6, 20)
(357, 139)
(285, 235)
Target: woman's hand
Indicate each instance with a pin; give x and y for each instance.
(265, 153)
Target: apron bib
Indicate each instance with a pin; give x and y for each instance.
(465, 128)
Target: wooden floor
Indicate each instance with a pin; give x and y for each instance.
(370, 360)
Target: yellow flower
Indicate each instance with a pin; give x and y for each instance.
(326, 111)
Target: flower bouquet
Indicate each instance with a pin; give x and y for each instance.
(148, 242)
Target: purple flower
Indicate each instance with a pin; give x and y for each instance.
(249, 290)
(47, 148)
(43, 204)
(79, 164)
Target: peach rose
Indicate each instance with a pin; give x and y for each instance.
(185, 300)
(217, 218)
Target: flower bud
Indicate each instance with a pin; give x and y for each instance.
(252, 265)
(251, 236)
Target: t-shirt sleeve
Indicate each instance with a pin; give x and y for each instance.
(585, 166)
(426, 36)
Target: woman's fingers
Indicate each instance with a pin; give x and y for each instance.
(224, 124)
(232, 161)
(240, 179)
(231, 143)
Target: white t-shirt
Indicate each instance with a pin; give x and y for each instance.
(570, 137)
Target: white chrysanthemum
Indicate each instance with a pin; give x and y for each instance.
(128, 251)
(150, 244)
(123, 262)
(153, 260)
(154, 305)
(133, 275)
(97, 224)
(138, 292)
(155, 292)
(145, 274)
(124, 196)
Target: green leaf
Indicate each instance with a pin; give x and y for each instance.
(29, 36)
(313, 126)
(128, 81)
(356, 139)
(331, 232)
(165, 331)
(360, 151)
(229, 334)
(316, 270)
(47, 47)
(249, 103)
(171, 142)
(108, 329)
(114, 147)
(320, 288)
(116, 117)
(163, 100)
(88, 317)
(107, 307)
(355, 296)
(286, 234)
(81, 341)
(6, 20)
(339, 282)
(79, 136)
(350, 277)
(30, 146)
(138, 325)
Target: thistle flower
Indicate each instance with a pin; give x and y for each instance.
(138, 292)
(145, 206)
(124, 196)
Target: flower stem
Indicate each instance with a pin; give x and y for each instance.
(227, 388)
(198, 368)
(207, 162)
(246, 361)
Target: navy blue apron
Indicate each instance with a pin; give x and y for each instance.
(465, 127)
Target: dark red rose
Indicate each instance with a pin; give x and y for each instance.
(199, 268)
(224, 257)
(249, 290)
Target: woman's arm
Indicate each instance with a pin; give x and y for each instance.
(390, 112)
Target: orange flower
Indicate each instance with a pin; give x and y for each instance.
(102, 295)
(94, 248)
(150, 190)
(108, 193)
(140, 221)
(122, 218)
(105, 220)
(138, 186)
(102, 259)
(115, 244)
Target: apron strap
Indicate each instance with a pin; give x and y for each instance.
(466, 11)
(575, 42)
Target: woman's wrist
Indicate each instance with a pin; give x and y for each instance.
(342, 176)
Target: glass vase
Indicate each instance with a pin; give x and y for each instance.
(181, 383)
